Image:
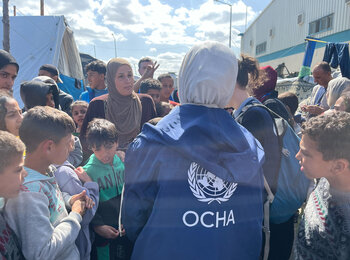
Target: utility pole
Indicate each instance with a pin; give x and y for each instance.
(94, 51)
(115, 46)
(14, 11)
(42, 7)
(6, 25)
(230, 5)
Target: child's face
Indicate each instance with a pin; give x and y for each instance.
(59, 151)
(155, 94)
(105, 153)
(11, 178)
(167, 87)
(49, 100)
(95, 79)
(78, 114)
(311, 160)
(13, 118)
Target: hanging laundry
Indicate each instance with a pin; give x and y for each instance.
(338, 54)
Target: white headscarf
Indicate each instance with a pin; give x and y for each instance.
(335, 89)
(208, 75)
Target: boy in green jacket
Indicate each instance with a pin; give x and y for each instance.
(105, 168)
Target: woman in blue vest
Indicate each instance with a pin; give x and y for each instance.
(193, 182)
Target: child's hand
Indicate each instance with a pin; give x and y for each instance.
(79, 207)
(82, 175)
(121, 155)
(88, 202)
(148, 74)
(106, 231)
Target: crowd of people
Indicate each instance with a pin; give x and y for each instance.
(139, 170)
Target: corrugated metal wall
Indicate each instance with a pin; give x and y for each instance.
(281, 17)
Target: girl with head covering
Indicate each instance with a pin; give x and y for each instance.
(260, 123)
(193, 182)
(127, 110)
(265, 92)
(10, 113)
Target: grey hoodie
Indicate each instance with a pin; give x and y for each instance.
(40, 220)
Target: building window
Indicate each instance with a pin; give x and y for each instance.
(321, 25)
(260, 48)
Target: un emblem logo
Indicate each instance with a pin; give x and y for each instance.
(207, 187)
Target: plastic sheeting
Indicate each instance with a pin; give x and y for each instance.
(38, 40)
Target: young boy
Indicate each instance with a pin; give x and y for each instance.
(11, 178)
(167, 88)
(96, 72)
(324, 231)
(151, 87)
(38, 215)
(105, 168)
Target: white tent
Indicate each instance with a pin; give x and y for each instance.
(38, 40)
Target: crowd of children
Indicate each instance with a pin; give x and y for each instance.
(91, 179)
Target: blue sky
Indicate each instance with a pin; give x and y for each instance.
(163, 30)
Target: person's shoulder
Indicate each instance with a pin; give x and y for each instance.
(256, 110)
(100, 98)
(34, 186)
(117, 162)
(83, 95)
(144, 97)
(65, 95)
(92, 163)
(65, 172)
(174, 103)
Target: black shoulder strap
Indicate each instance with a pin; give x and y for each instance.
(272, 114)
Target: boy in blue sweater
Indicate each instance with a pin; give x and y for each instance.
(38, 216)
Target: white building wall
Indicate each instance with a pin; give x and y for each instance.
(281, 16)
(294, 62)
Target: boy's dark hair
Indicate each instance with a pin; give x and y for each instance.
(10, 147)
(290, 100)
(44, 123)
(5, 97)
(98, 66)
(144, 59)
(331, 132)
(248, 70)
(164, 76)
(101, 132)
(150, 84)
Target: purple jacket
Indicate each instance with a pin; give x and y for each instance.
(69, 182)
